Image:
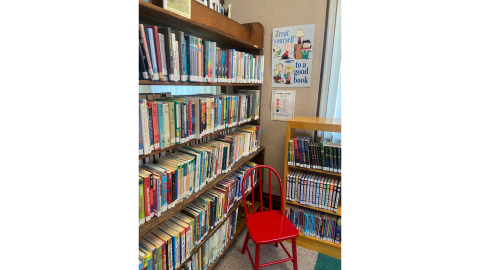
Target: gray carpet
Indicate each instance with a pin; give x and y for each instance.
(233, 258)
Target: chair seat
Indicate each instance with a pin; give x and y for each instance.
(269, 227)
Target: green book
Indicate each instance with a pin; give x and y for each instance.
(141, 209)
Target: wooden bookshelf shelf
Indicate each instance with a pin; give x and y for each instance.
(148, 82)
(177, 145)
(205, 23)
(338, 213)
(318, 124)
(157, 221)
(317, 171)
(315, 123)
(320, 241)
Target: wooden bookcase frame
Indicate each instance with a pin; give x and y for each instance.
(209, 25)
(318, 124)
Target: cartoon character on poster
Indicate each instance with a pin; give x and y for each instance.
(293, 55)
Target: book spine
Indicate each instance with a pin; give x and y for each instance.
(171, 43)
(160, 124)
(156, 137)
(145, 49)
(158, 53)
(161, 38)
(142, 202)
(142, 60)
(183, 64)
(140, 144)
(337, 199)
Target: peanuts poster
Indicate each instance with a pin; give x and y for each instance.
(292, 55)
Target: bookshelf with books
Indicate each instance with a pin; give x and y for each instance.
(208, 49)
(190, 134)
(312, 181)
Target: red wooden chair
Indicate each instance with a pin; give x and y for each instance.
(266, 227)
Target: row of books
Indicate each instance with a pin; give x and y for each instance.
(218, 7)
(171, 244)
(323, 226)
(326, 156)
(178, 175)
(313, 190)
(167, 55)
(174, 120)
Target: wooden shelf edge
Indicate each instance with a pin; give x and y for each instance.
(194, 140)
(339, 213)
(204, 20)
(157, 221)
(149, 82)
(320, 241)
(317, 171)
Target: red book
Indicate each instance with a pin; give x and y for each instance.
(156, 138)
(162, 242)
(157, 190)
(203, 61)
(169, 189)
(225, 203)
(146, 192)
(158, 55)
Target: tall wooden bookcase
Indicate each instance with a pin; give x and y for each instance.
(320, 124)
(209, 25)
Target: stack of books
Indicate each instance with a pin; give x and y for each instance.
(171, 244)
(218, 7)
(326, 156)
(313, 190)
(178, 175)
(323, 226)
(176, 120)
(167, 55)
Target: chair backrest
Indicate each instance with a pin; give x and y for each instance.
(255, 172)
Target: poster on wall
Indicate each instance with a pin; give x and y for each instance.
(283, 104)
(292, 55)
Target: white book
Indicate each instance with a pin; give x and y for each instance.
(166, 124)
(145, 128)
(177, 61)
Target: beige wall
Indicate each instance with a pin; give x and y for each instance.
(274, 14)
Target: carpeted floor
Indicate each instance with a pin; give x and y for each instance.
(307, 259)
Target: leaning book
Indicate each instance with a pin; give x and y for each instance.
(180, 7)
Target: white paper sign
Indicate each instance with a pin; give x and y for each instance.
(283, 104)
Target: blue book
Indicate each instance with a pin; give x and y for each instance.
(140, 146)
(195, 56)
(160, 124)
(151, 46)
(202, 225)
(188, 48)
(175, 243)
(161, 170)
(193, 120)
(150, 127)
(222, 66)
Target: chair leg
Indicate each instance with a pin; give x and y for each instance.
(294, 250)
(246, 242)
(276, 244)
(257, 258)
